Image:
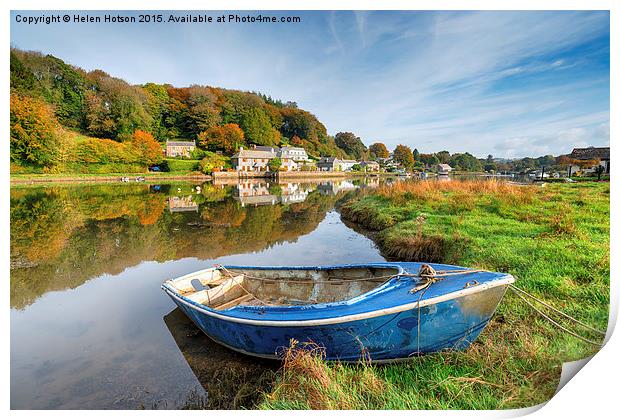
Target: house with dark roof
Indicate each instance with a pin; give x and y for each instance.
(591, 157)
(328, 164)
(179, 148)
(253, 160)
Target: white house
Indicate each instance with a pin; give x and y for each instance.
(444, 169)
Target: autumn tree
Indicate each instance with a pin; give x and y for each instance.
(379, 150)
(146, 148)
(34, 138)
(351, 144)
(61, 85)
(404, 156)
(227, 138)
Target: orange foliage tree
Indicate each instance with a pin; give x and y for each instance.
(147, 149)
(227, 138)
(34, 137)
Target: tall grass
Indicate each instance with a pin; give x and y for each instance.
(553, 239)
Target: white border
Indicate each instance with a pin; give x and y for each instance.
(591, 394)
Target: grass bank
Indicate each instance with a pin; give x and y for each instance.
(553, 239)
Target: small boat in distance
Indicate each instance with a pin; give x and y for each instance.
(382, 311)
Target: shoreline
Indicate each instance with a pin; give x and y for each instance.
(29, 179)
(105, 178)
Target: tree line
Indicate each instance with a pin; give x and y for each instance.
(98, 105)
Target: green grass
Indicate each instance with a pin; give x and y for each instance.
(553, 239)
(183, 165)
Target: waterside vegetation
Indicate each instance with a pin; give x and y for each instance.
(553, 239)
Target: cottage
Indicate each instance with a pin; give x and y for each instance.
(179, 148)
(297, 154)
(257, 159)
(443, 169)
(328, 164)
(370, 166)
(252, 160)
(587, 156)
(347, 164)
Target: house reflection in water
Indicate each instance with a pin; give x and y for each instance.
(254, 193)
(334, 187)
(268, 194)
(179, 204)
(293, 193)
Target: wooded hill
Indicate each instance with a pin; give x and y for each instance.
(98, 105)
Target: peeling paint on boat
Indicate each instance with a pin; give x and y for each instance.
(383, 322)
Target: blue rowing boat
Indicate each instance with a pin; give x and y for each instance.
(384, 311)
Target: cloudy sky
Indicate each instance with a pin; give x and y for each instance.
(510, 84)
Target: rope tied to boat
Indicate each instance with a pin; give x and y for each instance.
(522, 294)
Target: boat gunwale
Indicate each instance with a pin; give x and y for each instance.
(501, 280)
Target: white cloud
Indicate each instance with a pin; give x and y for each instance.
(426, 79)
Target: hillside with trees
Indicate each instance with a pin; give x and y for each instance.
(60, 113)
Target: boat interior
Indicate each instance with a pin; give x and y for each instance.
(222, 288)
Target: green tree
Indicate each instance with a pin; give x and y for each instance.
(416, 155)
(465, 162)
(202, 110)
(404, 156)
(443, 156)
(599, 171)
(158, 102)
(257, 128)
(114, 108)
(351, 144)
(58, 83)
(275, 164)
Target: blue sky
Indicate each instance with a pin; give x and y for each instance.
(510, 84)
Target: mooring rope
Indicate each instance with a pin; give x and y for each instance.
(548, 318)
(558, 311)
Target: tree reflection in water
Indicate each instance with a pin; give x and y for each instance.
(63, 236)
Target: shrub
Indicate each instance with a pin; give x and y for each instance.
(212, 162)
(275, 164)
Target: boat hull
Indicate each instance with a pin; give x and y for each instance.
(452, 323)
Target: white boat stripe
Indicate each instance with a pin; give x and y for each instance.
(507, 279)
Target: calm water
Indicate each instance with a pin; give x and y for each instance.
(90, 326)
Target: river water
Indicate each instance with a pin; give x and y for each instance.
(90, 326)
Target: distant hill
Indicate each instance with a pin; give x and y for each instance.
(101, 106)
